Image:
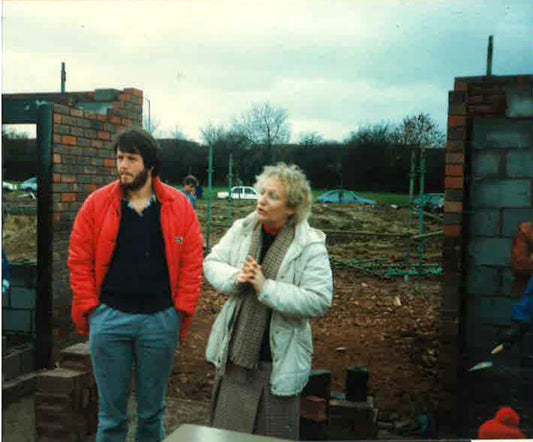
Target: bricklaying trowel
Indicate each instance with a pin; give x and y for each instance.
(487, 364)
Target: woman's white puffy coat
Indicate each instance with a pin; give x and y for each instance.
(303, 289)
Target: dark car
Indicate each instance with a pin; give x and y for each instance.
(343, 196)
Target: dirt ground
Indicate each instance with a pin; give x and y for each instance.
(387, 325)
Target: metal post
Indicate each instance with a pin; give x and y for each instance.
(230, 184)
(489, 56)
(412, 175)
(209, 196)
(63, 77)
(149, 125)
(43, 302)
(421, 210)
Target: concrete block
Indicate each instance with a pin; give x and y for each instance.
(490, 251)
(513, 217)
(486, 163)
(501, 194)
(483, 280)
(485, 222)
(18, 320)
(60, 381)
(11, 364)
(507, 282)
(351, 420)
(23, 298)
(6, 299)
(501, 133)
(519, 104)
(496, 311)
(519, 164)
(18, 387)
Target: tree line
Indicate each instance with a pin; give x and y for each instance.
(373, 157)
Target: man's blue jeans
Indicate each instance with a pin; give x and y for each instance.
(118, 340)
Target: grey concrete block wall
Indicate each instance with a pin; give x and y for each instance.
(500, 198)
(18, 305)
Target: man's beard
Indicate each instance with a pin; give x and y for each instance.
(138, 182)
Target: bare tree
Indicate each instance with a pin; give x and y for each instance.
(151, 125)
(176, 133)
(420, 131)
(310, 139)
(263, 124)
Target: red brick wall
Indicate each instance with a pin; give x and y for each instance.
(82, 162)
(472, 97)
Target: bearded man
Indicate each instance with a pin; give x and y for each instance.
(135, 261)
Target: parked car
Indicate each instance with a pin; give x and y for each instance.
(240, 193)
(8, 187)
(343, 196)
(30, 184)
(431, 201)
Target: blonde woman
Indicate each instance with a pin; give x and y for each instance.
(275, 269)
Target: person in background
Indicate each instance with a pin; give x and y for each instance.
(275, 269)
(521, 317)
(6, 273)
(199, 192)
(135, 261)
(189, 188)
(522, 257)
(505, 425)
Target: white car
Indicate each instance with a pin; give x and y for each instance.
(8, 187)
(240, 193)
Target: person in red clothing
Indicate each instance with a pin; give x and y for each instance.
(135, 261)
(505, 425)
(522, 257)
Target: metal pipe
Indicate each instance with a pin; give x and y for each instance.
(209, 196)
(489, 56)
(63, 77)
(412, 175)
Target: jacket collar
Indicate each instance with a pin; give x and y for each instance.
(162, 192)
(303, 235)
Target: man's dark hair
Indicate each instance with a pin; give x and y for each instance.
(141, 142)
(190, 180)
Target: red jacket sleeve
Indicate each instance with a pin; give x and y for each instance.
(522, 261)
(81, 262)
(190, 272)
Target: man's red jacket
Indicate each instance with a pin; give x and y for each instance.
(93, 241)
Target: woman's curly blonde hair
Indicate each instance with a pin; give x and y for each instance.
(296, 186)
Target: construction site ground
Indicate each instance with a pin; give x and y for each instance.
(388, 325)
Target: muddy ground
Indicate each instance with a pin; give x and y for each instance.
(387, 325)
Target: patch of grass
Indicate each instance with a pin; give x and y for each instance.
(380, 197)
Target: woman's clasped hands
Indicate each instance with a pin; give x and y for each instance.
(251, 274)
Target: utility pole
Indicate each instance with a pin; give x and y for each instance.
(63, 77)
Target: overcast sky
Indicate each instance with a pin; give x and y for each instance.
(333, 64)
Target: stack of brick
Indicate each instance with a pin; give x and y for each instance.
(66, 401)
(328, 415)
